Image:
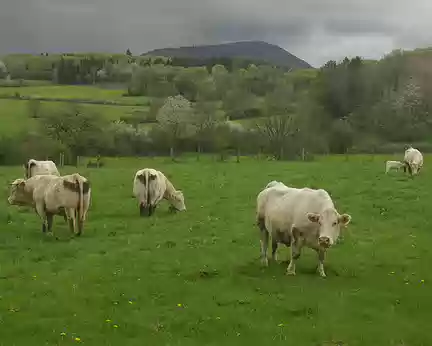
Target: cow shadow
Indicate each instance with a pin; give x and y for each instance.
(254, 269)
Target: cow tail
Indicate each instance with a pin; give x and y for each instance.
(147, 188)
(80, 197)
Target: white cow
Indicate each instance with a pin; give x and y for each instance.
(52, 195)
(151, 186)
(35, 167)
(394, 165)
(297, 218)
(413, 160)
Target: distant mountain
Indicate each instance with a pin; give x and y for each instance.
(253, 50)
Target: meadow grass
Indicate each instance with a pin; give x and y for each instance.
(194, 278)
(14, 114)
(74, 92)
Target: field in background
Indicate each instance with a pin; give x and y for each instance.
(194, 278)
(74, 92)
(15, 118)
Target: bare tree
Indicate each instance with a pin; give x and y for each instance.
(278, 131)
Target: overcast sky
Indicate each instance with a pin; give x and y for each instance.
(313, 30)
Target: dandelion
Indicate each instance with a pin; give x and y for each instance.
(179, 305)
(280, 325)
(107, 321)
(63, 334)
(130, 302)
(422, 281)
(77, 339)
(115, 326)
(218, 318)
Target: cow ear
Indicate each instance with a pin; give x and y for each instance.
(344, 219)
(313, 217)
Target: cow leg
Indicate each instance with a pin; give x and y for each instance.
(142, 210)
(274, 248)
(321, 256)
(70, 213)
(80, 226)
(40, 210)
(264, 238)
(151, 210)
(49, 217)
(296, 246)
(264, 246)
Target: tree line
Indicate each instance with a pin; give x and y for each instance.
(348, 106)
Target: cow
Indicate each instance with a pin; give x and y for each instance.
(298, 217)
(413, 161)
(274, 183)
(150, 186)
(52, 195)
(34, 167)
(394, 165)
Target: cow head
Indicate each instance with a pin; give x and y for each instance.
(415, 168)
(329, 221)
(177, 201)
(18, 194)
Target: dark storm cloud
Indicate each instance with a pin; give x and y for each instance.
(314, 30)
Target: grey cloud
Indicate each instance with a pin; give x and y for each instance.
(314, 30)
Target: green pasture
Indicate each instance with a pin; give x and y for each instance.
(194, 278)
(73, 92)
(14, 114)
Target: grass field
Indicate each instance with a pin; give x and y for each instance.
(73, 92)
(194, 278)
(14, 114)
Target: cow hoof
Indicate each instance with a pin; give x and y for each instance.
(323, 275)
(290, 272)
(264, 262)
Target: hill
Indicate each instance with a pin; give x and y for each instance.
(253, 50)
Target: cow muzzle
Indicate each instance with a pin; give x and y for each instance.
(324, 242)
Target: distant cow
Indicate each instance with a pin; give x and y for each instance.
(394, 165)
(151, 186)
(35, 167)
(51, 195)
(297, 218)
(413, 161)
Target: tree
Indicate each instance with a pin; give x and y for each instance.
(174, 119)
(81, 132)
(3, 70)
(206, 118)
(278, 131)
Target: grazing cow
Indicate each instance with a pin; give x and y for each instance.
(297, 218)
(35, 167)
(413, 161)
(151, 186)
(52, 195)
(394, 165)
(274, 183)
